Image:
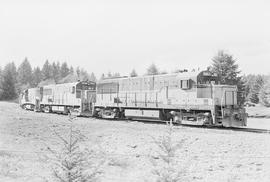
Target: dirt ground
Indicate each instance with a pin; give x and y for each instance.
(128, 149)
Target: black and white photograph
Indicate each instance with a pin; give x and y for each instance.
(134, 91)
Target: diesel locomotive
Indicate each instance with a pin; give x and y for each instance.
(193, 98)
(77, 97)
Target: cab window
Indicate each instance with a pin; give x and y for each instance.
(78, 93)
(73, 90)
(184, 84)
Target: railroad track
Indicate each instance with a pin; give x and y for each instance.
(240, 129)
(154, 121)
(253, 130)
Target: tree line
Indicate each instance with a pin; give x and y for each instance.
(252, 88)
(13, 80)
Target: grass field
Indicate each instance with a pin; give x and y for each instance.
(129, 149)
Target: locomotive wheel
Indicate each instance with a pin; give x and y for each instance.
(74, 112)
(24, 107)
(47, 109)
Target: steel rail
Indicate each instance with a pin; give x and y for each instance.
(240, 129)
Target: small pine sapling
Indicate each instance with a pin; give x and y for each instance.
(167, 166)
(72, 163)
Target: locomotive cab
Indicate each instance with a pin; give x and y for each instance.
(28, 98)
(226, 110)
(86, 91)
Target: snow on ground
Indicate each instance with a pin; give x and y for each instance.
(258, 111)
(129, 148)
(260, 123)
(259, 117)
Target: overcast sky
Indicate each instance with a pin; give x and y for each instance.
(119, 35)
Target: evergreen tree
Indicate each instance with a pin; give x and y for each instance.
(133, 73)
(25, 73)
(256, 87)
(152, 70)
(92, 77)
(253, 85)
(84, 75)
(240, 91)
(56, 72)
(72, 163)
(58, 68)
(102, 76)
(78, 72)
(71, 70)
(226, 68)
(109, 74)
(37, 76)
(47, 71)
(9, 82)
(224, 65)
(64, 70)
(249, 81)
(264, 94)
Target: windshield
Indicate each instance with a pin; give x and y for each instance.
(204, 91)
(206, 77)
(86, 86)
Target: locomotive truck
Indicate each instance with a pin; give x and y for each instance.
(193, 98)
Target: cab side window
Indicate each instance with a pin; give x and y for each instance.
(78, 94)
(184, 84)
(26, 96)
(73, 90)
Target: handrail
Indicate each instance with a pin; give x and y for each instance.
(222, 99)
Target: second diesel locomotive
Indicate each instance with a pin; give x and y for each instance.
(76, 97)
(194, 98)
